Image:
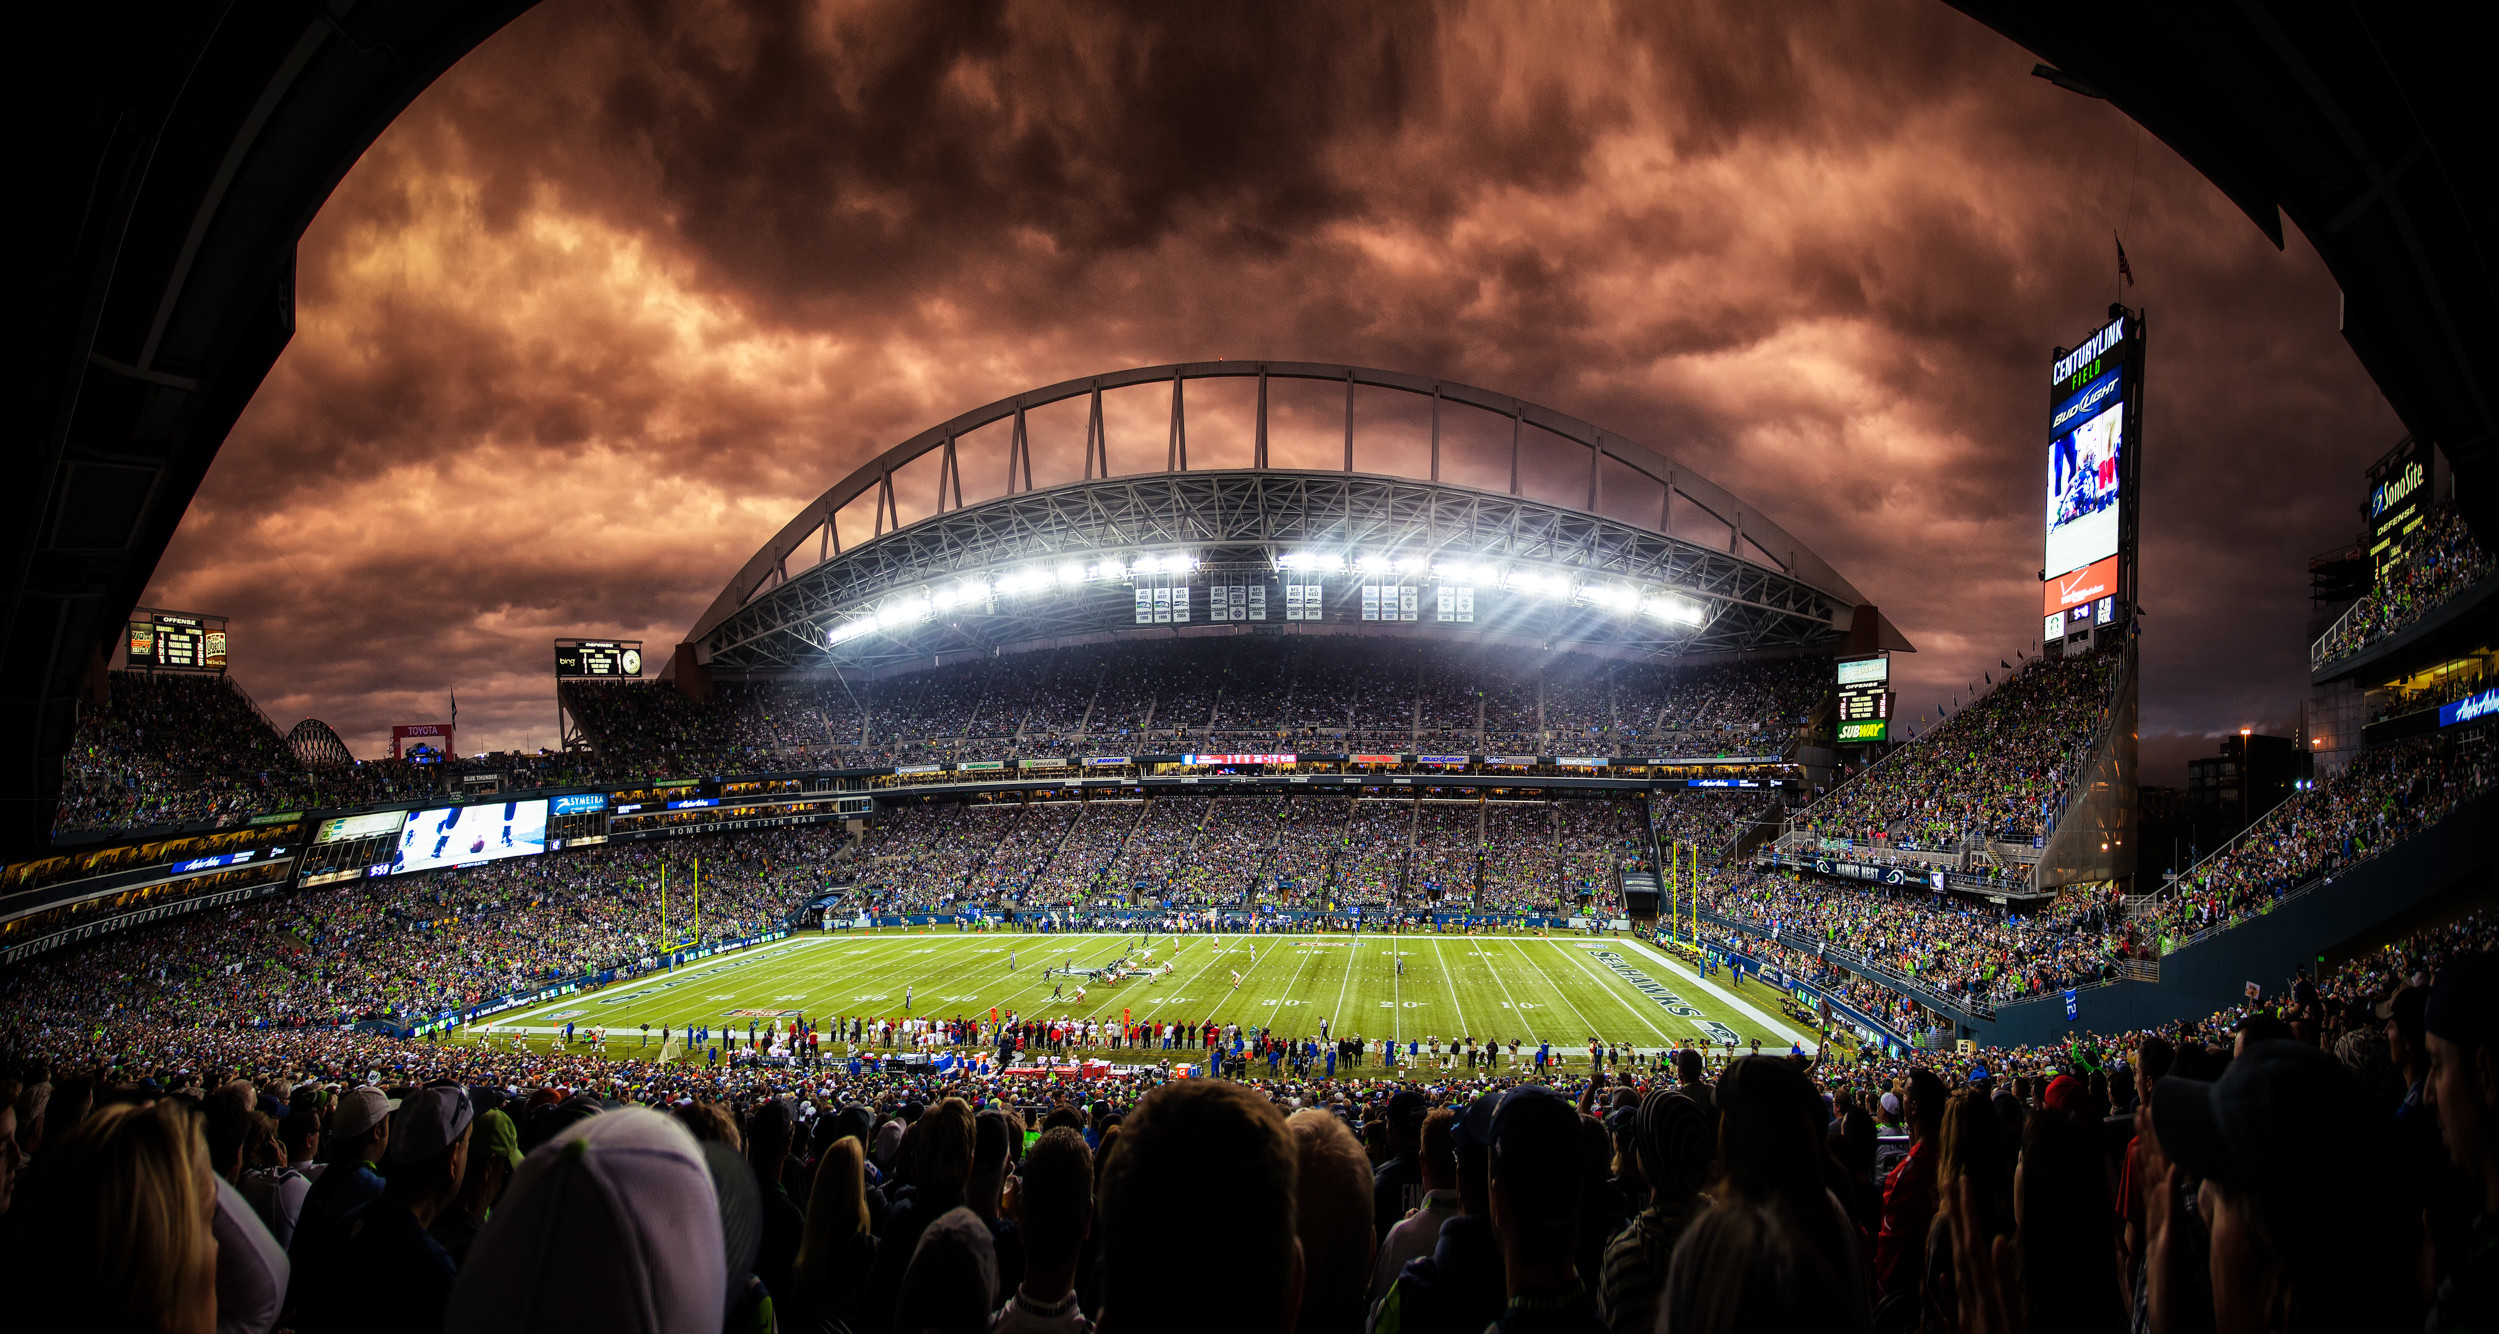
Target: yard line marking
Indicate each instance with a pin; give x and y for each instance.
(1295, 985)
(1507, 998)
(1454, 1003)
(1558, 990)
(1353, 949)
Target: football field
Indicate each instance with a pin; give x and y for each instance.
(1531, 989)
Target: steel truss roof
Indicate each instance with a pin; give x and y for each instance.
(1237, 523)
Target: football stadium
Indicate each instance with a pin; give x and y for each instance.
(1440, 858)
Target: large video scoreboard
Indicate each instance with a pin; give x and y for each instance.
(2095, 437)
(1865, 691)
(175, 641)
(598, 658)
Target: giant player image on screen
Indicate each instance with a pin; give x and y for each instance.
(461, 835)
(2083, 471)
(2095, 434)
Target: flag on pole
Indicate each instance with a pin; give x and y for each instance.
(2124, 270)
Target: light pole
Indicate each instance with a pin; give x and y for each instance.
(2245, 778)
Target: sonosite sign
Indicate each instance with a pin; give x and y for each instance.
(2095, 435)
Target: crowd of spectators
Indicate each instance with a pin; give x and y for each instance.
(2384, 795)
(1956, 947)
(1234, 843)
(1996, 769)
(408, 947)
(1300, 852)
(1017, 861)
(1595, 842)
(1081, 864)
(168, 750)
(171, 750)
(2435, 562)
(1710, 819)
(1305, 692)
(921, 857)
(2326, 1159)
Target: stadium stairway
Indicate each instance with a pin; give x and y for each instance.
(2212, 974)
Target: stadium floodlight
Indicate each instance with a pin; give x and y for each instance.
(1173, 562)
(972, 590)
(848, 631)
(1612, 597)
(944, 599)
(902, 612)
(1030, 579)
(1071, 572)
(1114, 568)
(1371, 562)
(1540, 583)
(1412, 564)
(1673, 609)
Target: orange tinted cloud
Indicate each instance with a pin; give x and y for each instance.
(627, 288)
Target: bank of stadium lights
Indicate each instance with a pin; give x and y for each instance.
(1558, 585)
(909, 609)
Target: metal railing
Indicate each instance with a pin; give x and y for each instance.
(2170, 890)
(2318, 653)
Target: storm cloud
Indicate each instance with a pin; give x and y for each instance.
(633, 283)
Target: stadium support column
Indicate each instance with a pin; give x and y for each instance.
(2095, 837)
(694, 679)
(1349, 419)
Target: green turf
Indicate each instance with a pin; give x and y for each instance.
(1496, 988)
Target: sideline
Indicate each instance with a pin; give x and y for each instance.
(1677, 967)
(716, 963)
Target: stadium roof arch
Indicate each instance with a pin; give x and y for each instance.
(1049, 564)
(173, 155)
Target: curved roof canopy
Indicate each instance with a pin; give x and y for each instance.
(183, 148)
(1089, 557)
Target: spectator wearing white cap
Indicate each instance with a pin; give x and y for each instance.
(359, 1136)
(391, 1275)
(611, 1225)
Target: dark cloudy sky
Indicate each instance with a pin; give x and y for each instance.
(632, 284)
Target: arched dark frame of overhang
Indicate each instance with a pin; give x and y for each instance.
(1745, 525)
(172, 155)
